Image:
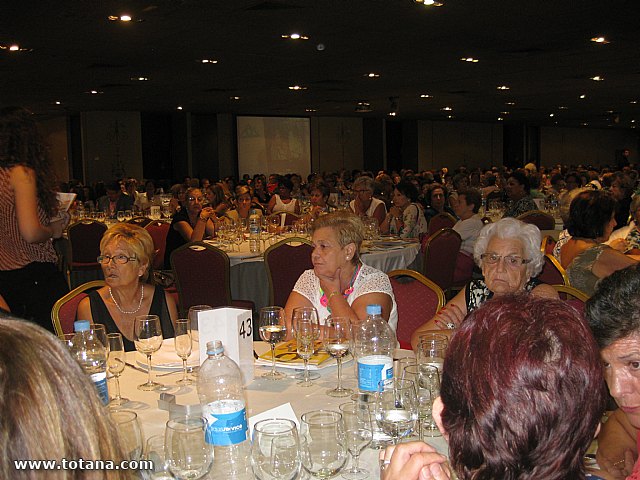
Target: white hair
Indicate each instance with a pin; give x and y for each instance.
(513, 229)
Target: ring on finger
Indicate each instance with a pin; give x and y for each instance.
(385, 463)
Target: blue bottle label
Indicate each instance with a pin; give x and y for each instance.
(372, 369)
(224, 429)
(100, 381)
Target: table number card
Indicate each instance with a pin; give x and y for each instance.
(234, 328)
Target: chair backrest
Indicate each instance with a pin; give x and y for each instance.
(552, 272)
(547, 244)
(540, 219)
(285, 261)
(418, 299)
(439, 221)
(158, 231)
(84, 238)
(464, 269)
(440, 255)
(574, 297)
(140, 221)
(202, 274)
(63, 313)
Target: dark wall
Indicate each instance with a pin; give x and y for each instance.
(372, 144)
(156, 132)
(204, 146)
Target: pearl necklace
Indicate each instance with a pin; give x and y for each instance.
(124, 311)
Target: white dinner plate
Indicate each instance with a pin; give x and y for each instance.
(166, 358)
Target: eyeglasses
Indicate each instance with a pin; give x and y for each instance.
(362, 191)
(511, 261)
(193, 199)
(119, 259)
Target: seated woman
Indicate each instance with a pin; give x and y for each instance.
(365, 204)
(244, 206)
(190, 224)
(585, 256)
(50, 408)
(406, 217)
(508, 405)
(508, 252)
(126, 252)
(283, 201)
(437, 202)
(340, 284)
(630, 233)
(614, 315)
(217, 198)
(518, 190)
(319, 196)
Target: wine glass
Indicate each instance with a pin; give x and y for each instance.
(432, 348)
(275, 450)
(120, 216)
(322, 443)
(156, 454)
(335, 337)
(307, 330)
(147, 335)
(100, 333)
(128, 215)
(67, 339)
(238, 237)
(193, 318)
(183, 344)
(116, 364)
(188, 455)
(396, 407)
(356, 420)
(129, 431)
(273, 330)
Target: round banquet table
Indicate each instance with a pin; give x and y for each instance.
(260, 395)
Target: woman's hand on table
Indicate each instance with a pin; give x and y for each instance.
(449, 317)
(619, 244)
(413, 460)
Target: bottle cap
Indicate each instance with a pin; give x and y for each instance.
(374, 309)
(81, 326)
(214, 347)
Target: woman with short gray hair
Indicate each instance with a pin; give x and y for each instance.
(364, 204)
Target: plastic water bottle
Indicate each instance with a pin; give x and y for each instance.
(223, 407)
(254, 234)
(373, 345)
(92, 357)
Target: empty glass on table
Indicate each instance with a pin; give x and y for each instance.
(188, 455)
(275, 450)
(356, 420)
(147, 335)
(307, 331)
(116, 364)
(129, 432)
(183, 344)
(322, 443)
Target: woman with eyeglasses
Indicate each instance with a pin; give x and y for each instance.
(365, 204)
(508, 253)
(190, 224)
(126, 253)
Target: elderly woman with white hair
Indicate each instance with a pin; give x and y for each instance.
(365, 204)
(508, 253)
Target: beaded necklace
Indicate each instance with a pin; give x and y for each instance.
(324, 301)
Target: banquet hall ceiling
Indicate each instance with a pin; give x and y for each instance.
(541, 50)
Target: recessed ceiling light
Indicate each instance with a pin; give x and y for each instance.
(633, 121)
(14, 47)
(469, 59)
(563, 108)
(600, 40)
(58, 102)
(584, 124)
(633, 102)
(372, 75)
(582, 97)
(310, 110)
(500, 119)
(94, 92)
(363, 107)
(393, 114)
(297, 87)
(139, 79)
(509, 103)
(552, 114)
(502, 87)
(446, 109)
(234, 98)
(430, 3)
(123, 18)
(450, 116)
(426, 95)
(179, 107)
(208, 60)
(505, 113)
(295, 36)
(597, 78)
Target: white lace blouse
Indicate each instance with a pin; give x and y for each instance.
(369, 280)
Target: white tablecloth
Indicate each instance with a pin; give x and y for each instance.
(261, 395)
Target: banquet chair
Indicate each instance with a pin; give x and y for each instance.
(418, 299)
(439, 221)
(464, 270)
(285, 261)
(84, 246)
(547, 244)
(552, 273)
(140, 221)
(574, 297)
(158, 231)
(203, 277)
(63, 313)
(439, 258)
(540, 219)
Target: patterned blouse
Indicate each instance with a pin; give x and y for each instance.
(414, 223)
(525, 204)
(477, 292)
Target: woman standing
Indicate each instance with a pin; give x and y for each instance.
(406, 217)
(30, 280)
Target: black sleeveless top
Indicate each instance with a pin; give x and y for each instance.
(101, 314)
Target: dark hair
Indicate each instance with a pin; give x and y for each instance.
(472, 195)
(589, 213)
(285, 182)
(575, 175)
(408, 189)
(21, 144)
(613, 312)
(523, 391)
(114, 186)
(436, 186)
(321, 187)
(522, 179)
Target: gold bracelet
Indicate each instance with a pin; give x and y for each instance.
(331, 296)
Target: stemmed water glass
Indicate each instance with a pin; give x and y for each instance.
(275, 450)
(147, 335)
(356, 420)
(335, 337)
(432, 348)
(322, 443)
(193, 319)
(156, 454)
(396, 407)
(120, 216)
(183, 343)
(129, 431)
(116, 364)
(128, 215)
(273, 330)
(188, 455)
(307, 331)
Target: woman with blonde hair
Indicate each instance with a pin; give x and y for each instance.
(50, 409)
(126, 253)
